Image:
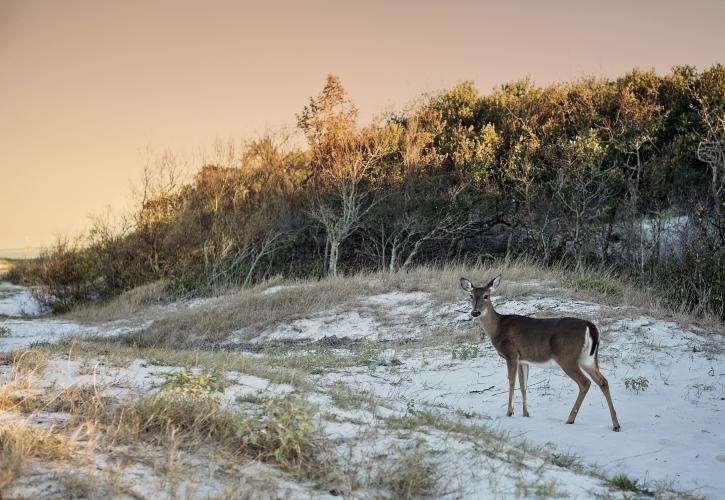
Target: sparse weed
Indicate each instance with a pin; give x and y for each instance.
(77, 485)
(254, 398)
(636, 384)
(248, 310)
(539, 488)
(4, 331)
(347, 399)
(565, 460)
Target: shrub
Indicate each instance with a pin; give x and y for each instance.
(68, 277)
(283, 432)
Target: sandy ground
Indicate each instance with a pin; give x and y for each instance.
(672, 432)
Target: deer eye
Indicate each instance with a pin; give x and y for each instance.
(485, 296)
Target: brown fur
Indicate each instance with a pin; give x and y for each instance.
(519, 339)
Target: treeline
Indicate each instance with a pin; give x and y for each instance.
(628, 173)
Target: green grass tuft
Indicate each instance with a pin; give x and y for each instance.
(604, 285)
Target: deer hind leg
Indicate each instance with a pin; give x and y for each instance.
(593, 371)
(523, 377)
(511, 365)
(582, 381)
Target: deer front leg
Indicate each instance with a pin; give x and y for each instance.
(523, 376)
(511, 364)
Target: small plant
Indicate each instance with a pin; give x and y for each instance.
(185, 383)
(465, 351)
(636, 384)
(565, 460)
(4, 331)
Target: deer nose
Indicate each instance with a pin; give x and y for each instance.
(475, 313)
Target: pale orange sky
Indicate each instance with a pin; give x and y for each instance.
(87, 86)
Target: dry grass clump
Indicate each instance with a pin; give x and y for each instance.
(85, 400)
(155, 418)
(413, 474)
(31, 362)
(20, 393)
(76, 400)
(19, 443)
(15, 392)
(127, 304)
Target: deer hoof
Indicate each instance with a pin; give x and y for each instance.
(526, 414)
(510, 413)
(569, 421)
(616, 428)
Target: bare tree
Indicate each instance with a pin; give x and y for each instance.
(397, 245)
(161, 180)
(345, 197)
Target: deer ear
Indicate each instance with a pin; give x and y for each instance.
(466, 285)
(495, 282)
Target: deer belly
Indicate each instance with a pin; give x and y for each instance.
(539, 364)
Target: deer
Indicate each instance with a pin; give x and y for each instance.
(571, 343)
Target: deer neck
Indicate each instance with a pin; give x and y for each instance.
(489, 320)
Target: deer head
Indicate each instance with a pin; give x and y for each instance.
(480, 295)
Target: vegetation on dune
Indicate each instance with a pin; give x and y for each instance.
(626, 173)
(185, 413)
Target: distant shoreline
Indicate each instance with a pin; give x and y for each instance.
(20, 253)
